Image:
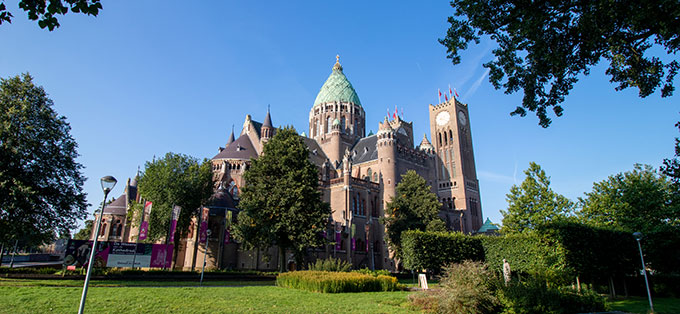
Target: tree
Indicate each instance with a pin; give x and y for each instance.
(281, 202)
(46, 13)
(414, 207)
(671, 168)
(175, 179)
(639, 200)
(41, 184)
(544, 46)
(86, 232)
(533, 203)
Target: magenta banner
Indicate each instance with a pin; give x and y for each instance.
(337, 241)
(203, 235)
(173, 222)
(354, 244)
(227, 236)
(143, 230)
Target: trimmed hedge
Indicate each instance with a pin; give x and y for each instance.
(336, 282)
(432, 250)
(556, 251)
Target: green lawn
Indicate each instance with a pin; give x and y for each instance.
(641, 305)
(35, 297)
(121, 283)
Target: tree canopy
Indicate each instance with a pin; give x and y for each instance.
(639, 200)
(41, 184)
(281, 202)
(545, 46)
(86, 231)
(175, 179)
(414, 207)
(533, 203)
(46, 11)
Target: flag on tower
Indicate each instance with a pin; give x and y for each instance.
(446, 97)
(394, 115)
(455, 91)
(450, 92)
(440, 95)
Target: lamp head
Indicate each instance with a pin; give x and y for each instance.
(108, 182)
(638, 235)
(208, 232)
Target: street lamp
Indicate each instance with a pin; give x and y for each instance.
(461, 211)
(638, 237)
(108, 182)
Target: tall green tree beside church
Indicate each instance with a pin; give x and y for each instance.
(544, 47)
(533, 203)
(41, 184)
(175, 179)
(414, 207)
(281, 201)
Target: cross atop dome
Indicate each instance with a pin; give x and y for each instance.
(337, 65)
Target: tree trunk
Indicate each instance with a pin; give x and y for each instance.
(612, 289)
(625, 287)
(282, 259)
(578, 284)
(2, 253)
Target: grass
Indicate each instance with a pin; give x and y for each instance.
(120, 283)
(40, 298)
(641, 305)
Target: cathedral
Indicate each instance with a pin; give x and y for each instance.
(358, 175)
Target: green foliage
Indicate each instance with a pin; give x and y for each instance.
(534, 296)
(374, 273)
(640, 200)
(281, 202)
(544, 46)
(40, 181)
(330, 264)
(46, 13)
(432, 250)
(336, 282)
(526, 253)
(175, 179)
(468, 287)
(534, 203)
(86, 231)
(414, 207)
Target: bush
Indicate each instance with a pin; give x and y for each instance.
(336, 282)
(534, 296)
(432, 250)
(467, 287)
(374, 273)
(330, 264)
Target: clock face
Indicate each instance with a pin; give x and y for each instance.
(461, 118)
(443, 118)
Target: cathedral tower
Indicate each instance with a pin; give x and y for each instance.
(337, 119)
(456, 185)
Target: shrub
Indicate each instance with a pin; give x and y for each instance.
(534, 296)
(467, 287)
(336, 282)
(374, 273)
(432, 250)
(330, 264)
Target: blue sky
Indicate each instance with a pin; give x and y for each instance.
(149, 77)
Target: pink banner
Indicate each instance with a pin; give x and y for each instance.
(161, 255)
(173, 222)
(337, 241)
(203, 235)
(354, 244)
(143, 230)
(227, 236)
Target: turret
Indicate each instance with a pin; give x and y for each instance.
(387, 152)
(267, 130)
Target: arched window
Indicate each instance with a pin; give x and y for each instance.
(342, 124)
(328, 125)
(369, 173)
(375, 177)
(446, 141)
(440, 139)
(451, 136)
(119, 230)
(103, 231)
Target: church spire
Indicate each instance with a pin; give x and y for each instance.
(268, 119)
(231, 137)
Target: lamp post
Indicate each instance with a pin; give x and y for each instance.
(638, 237)
(107, 182)
(369, 240)
(207, 240)
(461, 219)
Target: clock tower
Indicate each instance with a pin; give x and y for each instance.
(456, 186)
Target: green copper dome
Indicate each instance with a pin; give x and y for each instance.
(337, 88)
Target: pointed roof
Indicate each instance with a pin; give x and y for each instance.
(425, 143)
(268, 120)
(337, 88)
(241, 149)
(231, 137)
(488, 226)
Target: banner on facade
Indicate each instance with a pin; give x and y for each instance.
(118, 254)
(173, 222)
(203, 235)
